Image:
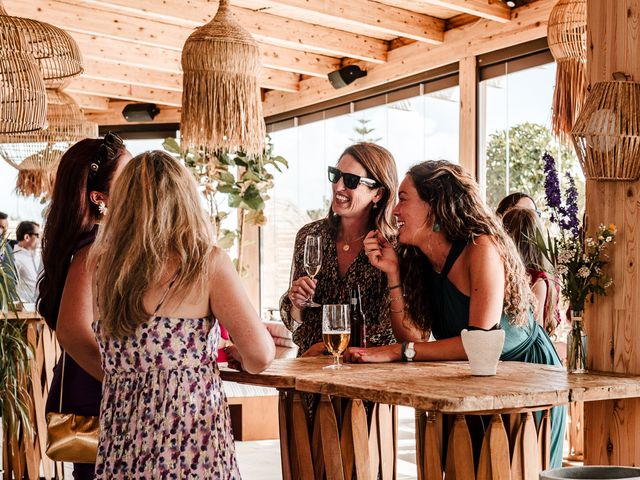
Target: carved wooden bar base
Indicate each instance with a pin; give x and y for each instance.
(340, 443)
(512, 447)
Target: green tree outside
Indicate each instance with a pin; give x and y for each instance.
(527, 143)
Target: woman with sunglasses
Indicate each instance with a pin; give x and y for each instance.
(80, 199)
(364, 185)
(456, 268)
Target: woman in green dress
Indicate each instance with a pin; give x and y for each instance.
(455, 268)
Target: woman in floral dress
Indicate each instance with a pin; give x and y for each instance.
(161, 288)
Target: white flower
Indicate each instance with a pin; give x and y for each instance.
(584, 272)
(589, 242)
(608, 283)
(562, 270)
(598, 271)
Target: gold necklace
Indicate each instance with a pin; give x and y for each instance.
(346, 247)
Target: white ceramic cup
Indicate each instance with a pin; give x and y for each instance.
(483, 349)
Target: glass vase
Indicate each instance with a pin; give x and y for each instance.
(577, 345)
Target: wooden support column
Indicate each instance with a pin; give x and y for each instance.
(469, 115)
(251, 264)
(612, 428)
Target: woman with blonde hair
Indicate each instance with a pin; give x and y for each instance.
(456, 268)
(364, 184)
(161, 288)
(523, 224)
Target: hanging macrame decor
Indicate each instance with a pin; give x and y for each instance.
(36, 155)
(567, 37)
(53, 49)
(221, 103)
(23, 99)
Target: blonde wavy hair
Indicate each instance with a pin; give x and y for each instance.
(456, 205)
(155, 225)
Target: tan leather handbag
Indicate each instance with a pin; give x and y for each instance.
(71, 437)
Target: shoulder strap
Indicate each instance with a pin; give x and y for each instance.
(166, 292)
(454, 253)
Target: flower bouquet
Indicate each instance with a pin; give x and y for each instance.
(577, 258)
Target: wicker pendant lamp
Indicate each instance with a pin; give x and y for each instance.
(23, 101)
(607, 133)
(221, 104)
(567, 37)
(56, 53)
(36, 154)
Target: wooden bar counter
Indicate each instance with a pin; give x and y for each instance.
(343, 441)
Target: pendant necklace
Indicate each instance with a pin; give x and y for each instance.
(346, 247)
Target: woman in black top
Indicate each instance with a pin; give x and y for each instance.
(80, 198)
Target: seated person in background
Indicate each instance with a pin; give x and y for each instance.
(7, 261)
(456, 268)
(28, 261)
(516, 199)
(522, 224)
(161, 288)
(364, 185)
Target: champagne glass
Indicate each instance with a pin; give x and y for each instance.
(336, 332)
(312, 261)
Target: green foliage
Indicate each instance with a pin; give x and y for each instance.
(242, 180)
(527, 143)
(363, 132)
(15, 353)
(318, 213)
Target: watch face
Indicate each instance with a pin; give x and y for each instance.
(410, 352)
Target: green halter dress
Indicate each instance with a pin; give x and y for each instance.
(528, 343)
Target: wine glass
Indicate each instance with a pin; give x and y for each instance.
(312, 261)
(336, 332)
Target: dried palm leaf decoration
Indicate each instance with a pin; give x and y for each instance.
(23, 100)
(36, 154)
(55, 52)
(607, 133)
(567, 37)
(221, 104)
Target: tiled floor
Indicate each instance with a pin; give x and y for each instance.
(261, 460)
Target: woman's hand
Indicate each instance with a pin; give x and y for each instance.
(381, 253)
(315, 350)
(234, 359)
(384, 354)
(302, 289)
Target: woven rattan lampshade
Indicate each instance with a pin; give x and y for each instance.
(567, 37)
(37, 154)
(23, 101)
(56, 53)
(607, 133)
(221, 104)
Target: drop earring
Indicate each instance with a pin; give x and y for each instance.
(375, 205)
(436, 227)
(102, 208)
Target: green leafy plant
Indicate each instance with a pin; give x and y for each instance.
(15, 354)
(233, 180)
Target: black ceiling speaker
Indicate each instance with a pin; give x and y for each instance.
(346, 75)
(140, 112)
(515, 3)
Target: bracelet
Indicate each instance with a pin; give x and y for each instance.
(395, 286)
(396, 311)
(399, 297)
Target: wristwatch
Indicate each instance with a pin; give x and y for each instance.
(408, 351)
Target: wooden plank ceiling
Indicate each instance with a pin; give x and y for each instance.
(132, 48)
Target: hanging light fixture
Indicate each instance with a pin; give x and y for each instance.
(36, 154)
(23, 101)
(607, 133)
(567, 37)
(221, 104)
(56, 53)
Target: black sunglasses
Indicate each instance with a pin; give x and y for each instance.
(351, 181)
(111, 144)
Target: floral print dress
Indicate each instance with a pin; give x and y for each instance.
(164, 413)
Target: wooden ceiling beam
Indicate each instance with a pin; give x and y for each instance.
(106, 18)
(364, 14)
(529, 23)
(90, 102)
(113, 116)
(123, 91)
(490, 9)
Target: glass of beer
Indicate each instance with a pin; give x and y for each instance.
(336, 331)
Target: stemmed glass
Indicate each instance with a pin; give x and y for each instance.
(312, 261)
(336, 332)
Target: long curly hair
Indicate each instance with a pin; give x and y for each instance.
(155, 222)
(381, 166)
(456, 205)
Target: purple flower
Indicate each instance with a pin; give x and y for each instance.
(570, 220)
(552, 185)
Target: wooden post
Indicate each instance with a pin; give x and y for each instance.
(468, 115)
(612, 428)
